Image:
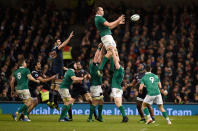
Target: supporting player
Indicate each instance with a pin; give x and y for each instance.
(153, 86)
(57, 68)
(141, 96)
(35, 88)
(104, 27)
(96, 82)
(68, 79)
(117, 79)
(79, 89)
(22, 75)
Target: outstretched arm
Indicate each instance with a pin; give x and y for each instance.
(66, 41)
(46, 79)
(32, 78)
(111, 25)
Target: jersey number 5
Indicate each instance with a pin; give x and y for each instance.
(151, 79)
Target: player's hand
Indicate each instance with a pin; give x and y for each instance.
(54, 77)
(12, 94)
(140, 91)
(100, 45)
(37, 81)
(122, 19)
(71, 34)
(65, 68)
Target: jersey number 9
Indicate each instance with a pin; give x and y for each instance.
(151, 79)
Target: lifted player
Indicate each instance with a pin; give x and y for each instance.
(104, 27)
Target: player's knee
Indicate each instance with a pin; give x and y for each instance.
(88, 98)
(144, 105)
(161, 108)
(67, 101)
(109, 54)
(28, 102)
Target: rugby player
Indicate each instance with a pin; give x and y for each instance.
(153, 87)
(21, 76)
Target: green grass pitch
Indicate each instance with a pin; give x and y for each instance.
(111, 123)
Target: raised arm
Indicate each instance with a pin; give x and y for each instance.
(115, 59)
(66, 41)
(111, 25)
(98, 53)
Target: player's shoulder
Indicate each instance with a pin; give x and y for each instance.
(25, 69)
(70, 70)
(98, 17)
(34, 72)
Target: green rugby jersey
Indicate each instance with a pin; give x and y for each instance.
(67, 81)
(151, 81)
(99, 22)
(21, 78)
(118, 77)
(95, 78)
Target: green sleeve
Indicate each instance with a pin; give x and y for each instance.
(27, 72)
(101, 20)
(71, 73)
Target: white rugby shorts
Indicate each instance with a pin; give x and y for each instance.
(153, 99)
(116, 93)
(108, 40)
(23, 94)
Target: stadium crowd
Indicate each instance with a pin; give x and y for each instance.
(164, 37)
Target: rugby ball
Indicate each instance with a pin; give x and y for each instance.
(135, 17)
(165, 92)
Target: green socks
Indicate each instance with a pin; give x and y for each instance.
(64, 111)
(92, 108)
(165, 115)
(104, 61)
(23, 108)
(111, 64)
(100, 111)
(146, 111)
(121, 108)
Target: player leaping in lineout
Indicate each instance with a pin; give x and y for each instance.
(104, 27)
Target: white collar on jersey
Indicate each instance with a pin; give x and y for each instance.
(98, 15)
(21, 67)
(147, 72)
